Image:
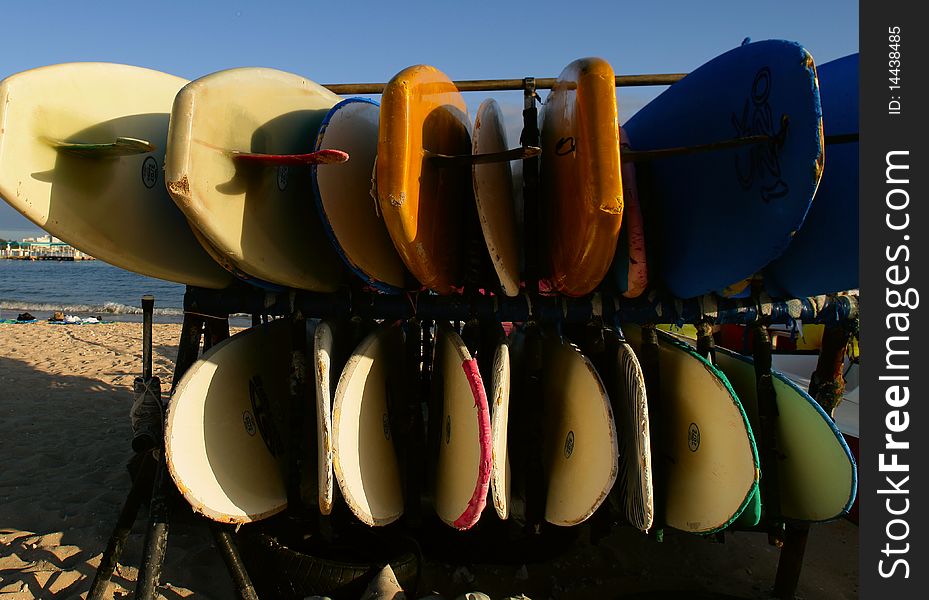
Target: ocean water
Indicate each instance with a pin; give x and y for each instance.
(84, 288)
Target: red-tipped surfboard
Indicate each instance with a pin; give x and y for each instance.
(463, 470)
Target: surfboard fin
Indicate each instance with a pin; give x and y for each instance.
(489, 157)
(320, 157)
(123, 146)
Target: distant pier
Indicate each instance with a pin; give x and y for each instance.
(41, 248)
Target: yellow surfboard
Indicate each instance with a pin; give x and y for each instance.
(422, 198)
(580, 447)
(233, 167)
(582, 197)
(82, 146)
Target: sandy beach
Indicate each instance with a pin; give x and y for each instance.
(65, 395)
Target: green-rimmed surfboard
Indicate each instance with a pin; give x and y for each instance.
(817, 475)
(705, 457)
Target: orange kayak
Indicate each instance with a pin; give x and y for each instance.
(423, 203)
(582, 198)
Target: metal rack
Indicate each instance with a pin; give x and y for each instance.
(206, 323)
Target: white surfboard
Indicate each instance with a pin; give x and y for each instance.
(223, 445)
(495, 196)
(82, 146)
(707, 450)
(625, 384)
(328, 359)
(817, 475)
(499, 400)
(240, 147)
(580, 448)
(364, 458)
(348, 210)
(463, 472)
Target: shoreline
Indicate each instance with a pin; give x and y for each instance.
(165, 316)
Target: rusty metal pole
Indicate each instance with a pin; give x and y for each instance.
(156, 538)
(826, 386)
(127, 516)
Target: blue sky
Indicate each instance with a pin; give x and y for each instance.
(331, 42)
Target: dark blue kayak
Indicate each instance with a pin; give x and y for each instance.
(716, 218)
(823, 256)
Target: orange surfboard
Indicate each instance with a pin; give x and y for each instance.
(582, 197)
(423, 199)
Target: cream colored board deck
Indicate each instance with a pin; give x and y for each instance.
(706, 449)
(364, 458)
(500, 479)
(817, 475)
(343, 194)
(626, 386)
(62, 167)
(495, 196)
(580, 449)
(223, 447)
(464, 464)
(328, 360)
(260, 218)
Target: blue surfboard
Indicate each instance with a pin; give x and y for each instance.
(823, 256)
(716, 218)
(343, 196)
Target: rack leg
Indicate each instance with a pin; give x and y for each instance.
(156, 539)
(791, 561)
(233, 561)
(117, 542)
